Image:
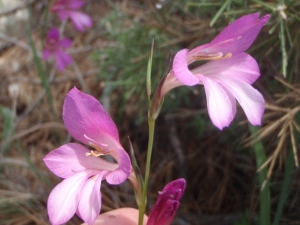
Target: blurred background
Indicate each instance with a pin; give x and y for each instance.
(239, 176)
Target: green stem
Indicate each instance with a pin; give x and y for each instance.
(151, 122)
(264, 195)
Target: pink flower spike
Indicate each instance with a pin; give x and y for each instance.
(167, 203)
(82, 169)
(57, 47)
(70, 9)
(227, 76)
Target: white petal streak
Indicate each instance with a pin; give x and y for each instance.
(220, 103)
(240, 66)
(63, 199)
(90, 199)
(249, 98)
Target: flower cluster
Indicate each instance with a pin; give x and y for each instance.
(227, 76)
(54, 45)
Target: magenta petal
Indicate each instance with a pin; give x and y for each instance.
(63, 15)
(167, 203)
(90, 200)
(121, 174)
(249, 98)
(76, 4)
(46, 54)
(240, 66)
(239, 35)
(63, 199)
(181, 71)
(83, 115)
(220, 103)
(80, 20)
(71, 158)
(65, 43)
(53, 33)
(62, 59)
(236, 37)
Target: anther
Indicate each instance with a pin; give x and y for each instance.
(212, 56)
(97, 152)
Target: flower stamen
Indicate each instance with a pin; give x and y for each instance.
(212, 56)
(97, 152)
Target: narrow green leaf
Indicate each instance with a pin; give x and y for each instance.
(148, 81)
(264, 195)
(8, 125)
(283, 49)
(218, 14)
(138, 174)
(285, 185)
(41, 72)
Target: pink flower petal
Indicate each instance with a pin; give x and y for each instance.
(62, 59)
(220, 103)
(90, 199)
(64, 198)
(83, 115)
(63, 15)
(71, 158)
(240, 66)
(181, 71)
(236, 37)
(46, 54)
(80, 20)
(76, 4)
(249, 98)
(53, 33)
(121, 174)
(65, 43)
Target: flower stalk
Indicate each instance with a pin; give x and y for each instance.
(151, 123)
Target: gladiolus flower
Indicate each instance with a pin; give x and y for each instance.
(167, 203)
(82, 169)
(57, 47)
(69, 9)
(227, 76)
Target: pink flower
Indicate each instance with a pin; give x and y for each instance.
(227, 76)
(69, 8)
(82, 169)
(167, 203)
(57, 47)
